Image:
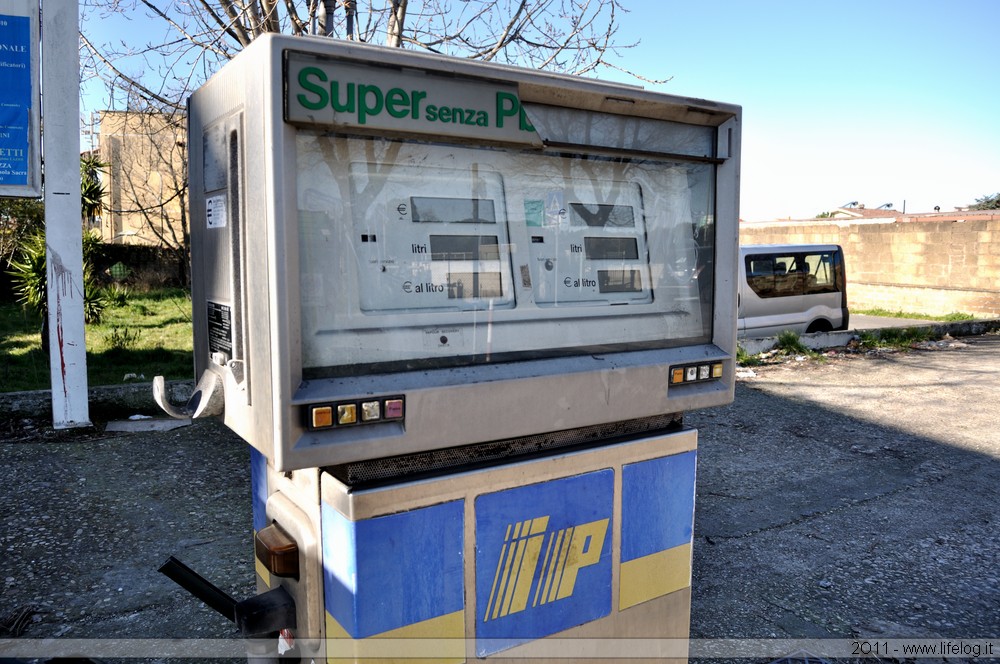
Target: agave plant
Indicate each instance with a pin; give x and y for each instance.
(28, 267)
(28, 272)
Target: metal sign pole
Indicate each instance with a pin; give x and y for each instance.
(64, 245)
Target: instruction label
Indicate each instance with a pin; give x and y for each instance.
(215, 211)
(220, 328)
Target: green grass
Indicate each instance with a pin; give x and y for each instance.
(150, 335)
(885, 313)
(894, 337)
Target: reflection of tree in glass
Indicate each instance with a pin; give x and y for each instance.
(603, 216)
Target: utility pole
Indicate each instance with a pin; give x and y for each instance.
(64, 245)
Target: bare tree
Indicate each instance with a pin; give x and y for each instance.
(198, 36)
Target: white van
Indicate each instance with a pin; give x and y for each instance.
(799, 287)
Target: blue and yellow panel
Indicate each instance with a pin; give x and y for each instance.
(258, 488)
(543, 559)
(395, 576)
(657, 527)
(258, 504)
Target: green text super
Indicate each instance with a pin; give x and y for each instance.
(366, 101)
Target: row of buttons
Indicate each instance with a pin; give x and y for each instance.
(695, 373)
(347, 413)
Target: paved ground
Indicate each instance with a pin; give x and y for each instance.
(89, 518)
(853, 496)
(862, 322)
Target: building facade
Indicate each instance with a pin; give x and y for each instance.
(145, 177)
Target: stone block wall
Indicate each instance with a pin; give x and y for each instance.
(928, 265)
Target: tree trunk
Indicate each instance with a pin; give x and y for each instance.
(324, 17)
(397, 18)
(351, 13)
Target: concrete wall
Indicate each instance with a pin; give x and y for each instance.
(935, 264)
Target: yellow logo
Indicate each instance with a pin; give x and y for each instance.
(567, 551)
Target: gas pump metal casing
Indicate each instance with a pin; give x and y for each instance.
(436, 295)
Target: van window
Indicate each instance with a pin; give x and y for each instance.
(771, 275)
(822, 277)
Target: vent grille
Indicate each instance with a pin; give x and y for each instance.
(409, 466)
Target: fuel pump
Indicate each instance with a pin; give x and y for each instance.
(457, 310)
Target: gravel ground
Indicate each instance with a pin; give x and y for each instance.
(852, 496)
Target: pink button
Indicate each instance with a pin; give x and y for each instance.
(393, 409)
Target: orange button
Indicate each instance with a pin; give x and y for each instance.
(322, 416)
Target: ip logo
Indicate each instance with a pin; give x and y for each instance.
(567, 551)
(543, 559)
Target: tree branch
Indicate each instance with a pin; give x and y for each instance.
(236, 24)
(131, 81)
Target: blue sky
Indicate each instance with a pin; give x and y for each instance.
(877, 101)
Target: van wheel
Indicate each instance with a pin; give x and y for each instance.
(821, 325)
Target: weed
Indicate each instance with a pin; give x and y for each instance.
(122, 339)
(745, 359)
(789, 342)
(894, 337)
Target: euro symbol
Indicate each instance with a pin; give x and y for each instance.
(401, 209)
(407, 286)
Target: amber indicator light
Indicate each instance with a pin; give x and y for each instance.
(278, 551)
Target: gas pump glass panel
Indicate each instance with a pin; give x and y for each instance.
(417, 255)
(429, 239)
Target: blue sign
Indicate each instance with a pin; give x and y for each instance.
(16, 96)
(543, 559)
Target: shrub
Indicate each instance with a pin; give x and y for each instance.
(19, 218)
(122, 339)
